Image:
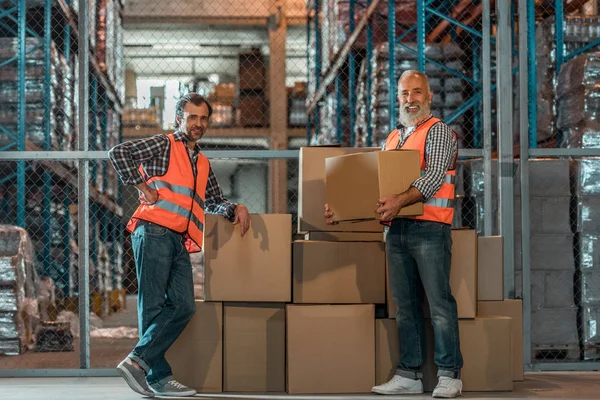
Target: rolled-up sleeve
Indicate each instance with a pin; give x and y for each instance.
(126, 157)
(440, 152)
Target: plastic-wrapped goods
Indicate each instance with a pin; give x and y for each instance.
(10, 347)
(8, 326)
(581, 71)
(591, 331)
(587, 214)
(585, 174)
(589, 287)
(587, 252)
(8, 300)
(578, 106)
(584, 135)
(8, 274)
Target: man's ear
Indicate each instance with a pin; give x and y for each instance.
(430, 96)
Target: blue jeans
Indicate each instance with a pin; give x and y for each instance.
(419, 254)
(165, 296)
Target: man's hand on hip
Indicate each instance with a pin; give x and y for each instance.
(242, 217)
(147, 195)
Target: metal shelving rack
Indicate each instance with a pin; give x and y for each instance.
(60, 26)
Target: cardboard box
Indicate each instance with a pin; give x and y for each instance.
(485, 345)
(387, 350)
(254, 268)
(463, 275)
(514, 310)
(338, 272)
(355, 182)
(254, 347)
(196, 357)
(330, 349)
(490, 268)
(312, 191)
(252, 111)
(344, 236)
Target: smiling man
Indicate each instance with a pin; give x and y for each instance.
(418, 249)
(176, 186)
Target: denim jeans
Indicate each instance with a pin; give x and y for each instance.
(419, 255)
(165, 296)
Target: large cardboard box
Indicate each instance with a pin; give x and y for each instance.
(330, 348)
(514, 310)
(312, 191)
(254, 347)
(355, 182)
(338, 272)
(196, 357)
(344, 236)
(486, 345)
(254, 268)
(490, 268)
(463, 275)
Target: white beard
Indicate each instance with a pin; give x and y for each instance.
(408, 119)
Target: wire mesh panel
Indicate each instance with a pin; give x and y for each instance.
(561, 190)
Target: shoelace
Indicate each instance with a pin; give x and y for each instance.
(445, 383)
(177, 385)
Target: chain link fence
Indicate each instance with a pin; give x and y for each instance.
(562, 189)
(256, 70)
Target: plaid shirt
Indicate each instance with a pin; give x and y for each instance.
(441, 148)
(153, 154)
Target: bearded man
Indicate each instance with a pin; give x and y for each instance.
(419, 248)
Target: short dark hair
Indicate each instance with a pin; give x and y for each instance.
(193, 98)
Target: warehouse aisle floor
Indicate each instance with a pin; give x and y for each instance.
(576, 385)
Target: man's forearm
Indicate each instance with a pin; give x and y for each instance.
(411, 196)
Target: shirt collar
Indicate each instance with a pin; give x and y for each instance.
(180, 137)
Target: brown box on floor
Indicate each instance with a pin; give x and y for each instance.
(490, 268)
(312, 191)
(253, 268)
(196, 357)
(514, 310)
(330, 348)
(338, 272)
(486, 346)
(463, 275)
(254, 347)
(355, 182)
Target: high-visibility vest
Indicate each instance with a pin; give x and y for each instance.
(181, 196)
(440, 208)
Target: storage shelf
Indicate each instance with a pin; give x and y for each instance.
(132, 133)
(106, 84)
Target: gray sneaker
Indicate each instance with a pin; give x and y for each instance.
(135, 377)
(173, 388)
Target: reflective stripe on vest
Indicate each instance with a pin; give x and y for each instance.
(439, 208)
(181, 195)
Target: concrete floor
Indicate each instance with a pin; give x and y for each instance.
(580, 385)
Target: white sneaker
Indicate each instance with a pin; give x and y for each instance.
(447, 388)
(400, 385)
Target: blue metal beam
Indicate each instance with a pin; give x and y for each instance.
(559, 15)
(8, 146)
(420, 35)
(582, 50)
(10, 60)
(392, 62)
(6, 12)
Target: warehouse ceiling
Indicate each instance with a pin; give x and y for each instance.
(200, 50)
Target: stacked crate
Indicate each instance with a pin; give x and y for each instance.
(252, 106)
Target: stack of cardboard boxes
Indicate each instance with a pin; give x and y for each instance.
(300, 316)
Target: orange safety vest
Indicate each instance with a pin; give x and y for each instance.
(181, 196)
(440, 208)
